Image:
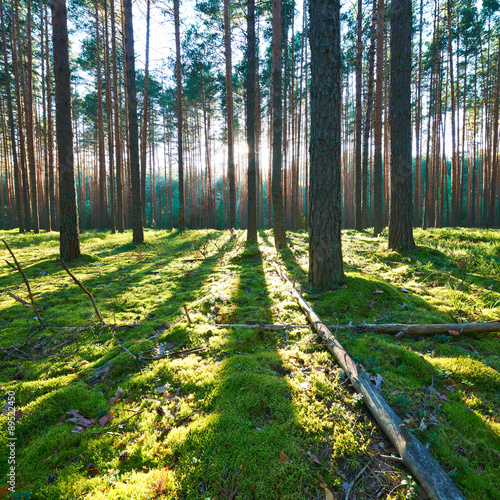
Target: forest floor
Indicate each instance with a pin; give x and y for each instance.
(194, 411)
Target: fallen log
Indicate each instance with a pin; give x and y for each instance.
(413, 453)
(399, 330)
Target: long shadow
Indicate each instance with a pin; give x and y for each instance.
(250, 409)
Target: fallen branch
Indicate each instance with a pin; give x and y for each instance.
(261, 326)
(98, 314)
(399, 330)
(19, 299)
(19, 268)
(415, 455)
(403, 330)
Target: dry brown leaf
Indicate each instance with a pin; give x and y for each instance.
(118, 394)
(283, 457)
(107, 418)
(329, 495)
(3, 491)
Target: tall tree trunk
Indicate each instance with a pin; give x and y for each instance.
(494, 149)
(325, 241)
(279, 212)
(136, 212)
(368, 121)
(378, 195)
(69, 237)
(455, 210)
(400, 214)
(144, 128)
(252, 177)
(118, 149)
(182, 221)
(30, 133)
(103, 201)
(109, 117)
(230, 116)
(16, 64)
(417, 203)
(51, 192)
(12, 129)
(359, 69)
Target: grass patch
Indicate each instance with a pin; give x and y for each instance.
(195, 411)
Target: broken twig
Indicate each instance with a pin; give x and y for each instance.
(19, 299)
(19, 268)
(98, 314)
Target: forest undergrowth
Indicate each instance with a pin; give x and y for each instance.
(172, 406)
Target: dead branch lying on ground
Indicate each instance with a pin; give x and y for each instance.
(20, 300)
(27, 283)
(415, 455)
(399, 330)
(98, 314)
(40, 347)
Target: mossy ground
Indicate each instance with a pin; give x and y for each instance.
(265, 412)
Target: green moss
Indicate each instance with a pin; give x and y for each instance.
(267, 409)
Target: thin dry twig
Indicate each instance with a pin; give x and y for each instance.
(187, 314)
(98, 314)
(20, 300)
(19, 268)
(105, 429)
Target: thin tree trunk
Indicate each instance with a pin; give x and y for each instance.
(103, 205)
(118, 149)
(359, 69)
(229, 116)
(136, 208)
(144, 129)
(17, 174)
(276, 83)
(30, 134)
(378, 196)
(368, 121)
(182, 222)
(252, 177)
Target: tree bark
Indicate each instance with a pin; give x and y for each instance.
(368, 121)
(103, 200)
(277, 158)
(118, 150)
(136, 208)
(230, 116)
(69, 237)
(182, 221)
(17, 174)
(30, 133)
(251, 76)
(325, 240)
(378, 194)
(400, 215)
(358, 208)
(144, 129)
